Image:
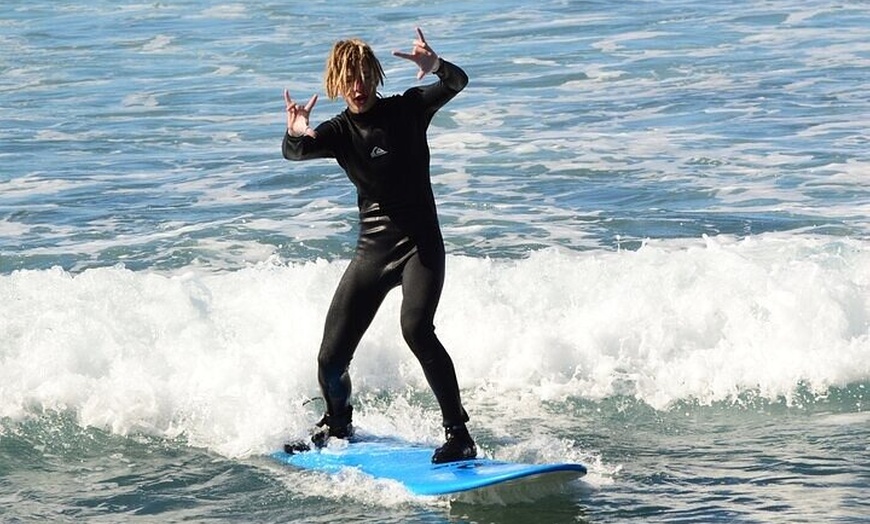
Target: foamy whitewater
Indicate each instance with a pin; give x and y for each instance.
(657, 217)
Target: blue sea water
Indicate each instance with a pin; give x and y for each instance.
(657, 215)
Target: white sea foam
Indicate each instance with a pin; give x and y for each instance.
(228, 11)
(143, 100)
(227, 358)
(158, 44)
(12, 229)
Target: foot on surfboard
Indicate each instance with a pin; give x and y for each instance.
(459, 446)
(328, 426)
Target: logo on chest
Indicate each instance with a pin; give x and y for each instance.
(378, 152)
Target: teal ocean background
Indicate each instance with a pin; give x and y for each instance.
(657, 217)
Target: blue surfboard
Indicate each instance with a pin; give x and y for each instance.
(411, 466)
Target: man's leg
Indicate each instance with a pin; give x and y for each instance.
(353, 307)
(421, 290)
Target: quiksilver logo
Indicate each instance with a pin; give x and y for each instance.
(377, 151)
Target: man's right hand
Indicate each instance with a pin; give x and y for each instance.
(298, 116)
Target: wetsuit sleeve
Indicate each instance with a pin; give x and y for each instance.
(451, 80)
(305, 147)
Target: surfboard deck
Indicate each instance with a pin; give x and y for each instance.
(411, 466)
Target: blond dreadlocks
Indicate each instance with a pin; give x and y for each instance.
(349, 61)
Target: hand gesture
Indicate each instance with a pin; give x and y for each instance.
(422, 55)
(298, 116)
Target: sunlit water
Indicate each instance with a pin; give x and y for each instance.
(657, 217)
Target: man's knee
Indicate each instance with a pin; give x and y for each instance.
(332, 364)
(415, 332)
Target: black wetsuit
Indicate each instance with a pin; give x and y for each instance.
(386, 155)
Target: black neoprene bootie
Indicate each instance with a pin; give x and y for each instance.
(459, 446)
(338, 426)
(328, 426)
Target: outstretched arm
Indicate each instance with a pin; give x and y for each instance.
(422, 55)
(301, 142)
(452, 79)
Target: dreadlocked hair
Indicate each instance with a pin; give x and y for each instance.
(348, 61)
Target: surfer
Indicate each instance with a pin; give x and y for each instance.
(381, 144)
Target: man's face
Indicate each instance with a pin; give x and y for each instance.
(361, 94)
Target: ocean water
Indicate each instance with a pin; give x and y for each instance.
(657, 216)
